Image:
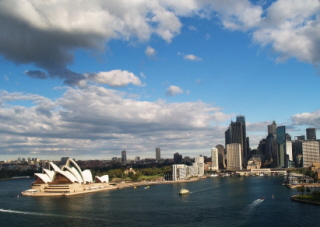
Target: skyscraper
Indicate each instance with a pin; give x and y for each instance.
(177, 158)
(158, 154)
(236, 133)
(272, 128)
(234, 157)
(311, 134)
(310, 152)
(123, 156)
(214, 159)
(221, 156)
(281, 141)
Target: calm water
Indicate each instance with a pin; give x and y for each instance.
(212, 202)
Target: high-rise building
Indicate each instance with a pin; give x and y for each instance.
(310, 152)
(123, 156)
(281, 141)
(214, 159)
(158, 154)
(199, 165)
(234, 157)
(236, 133)
(221, 156)
(177, 158)
(311, 134)
(272, 128)
(64, 160)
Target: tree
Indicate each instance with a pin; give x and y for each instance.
(308, 190)
(301, 189)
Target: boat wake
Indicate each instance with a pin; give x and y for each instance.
(44, 214)
(251, 207)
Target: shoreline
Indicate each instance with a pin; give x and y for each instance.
(296, 199)
(107, 187)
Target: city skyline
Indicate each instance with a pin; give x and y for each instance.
(93, 80)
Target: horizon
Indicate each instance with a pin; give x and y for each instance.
(105, 76)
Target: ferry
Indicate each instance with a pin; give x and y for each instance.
(183, 191)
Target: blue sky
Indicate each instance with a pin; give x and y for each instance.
(90, 80)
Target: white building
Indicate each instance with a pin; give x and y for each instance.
(182, 172)
(214, 159)
(289, 149)
(310, 152)
(179, 172)
(234, 157)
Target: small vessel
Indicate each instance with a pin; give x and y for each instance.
(183, 191)
(214, 175)
(135, 187)
(147, 187)
(227, 175)
(262, 198)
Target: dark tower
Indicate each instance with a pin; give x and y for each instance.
(311, 134)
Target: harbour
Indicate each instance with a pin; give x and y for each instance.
(218, 201)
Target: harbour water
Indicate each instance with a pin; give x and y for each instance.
(224, 202)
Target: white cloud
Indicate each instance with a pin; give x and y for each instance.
(173, 90)
(95, 119)
(192, 28)
(292, 29)
(115, 78)
(311, 119)
(192, 57)
(150, 51)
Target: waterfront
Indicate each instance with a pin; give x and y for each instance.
(212, 202)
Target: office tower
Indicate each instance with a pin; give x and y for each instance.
(272, 128)
(234, 157)
(158, 155)
(123, 156)
(300, 137)
(199, 165)
(281, 141)
(311, 134)
(221, 156)
(64, 160)
(137, 158)
(271, 148)
(289, 153)
(214, 159)
(177, 158)
(310, 152)
(245, 140)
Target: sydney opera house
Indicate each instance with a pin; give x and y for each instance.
(69, 180)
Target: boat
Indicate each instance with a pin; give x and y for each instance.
(227, 175)
(214, 175)
(183, 191)
(262, 198)
(147, 187)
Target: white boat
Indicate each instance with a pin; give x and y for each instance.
(227, 175)
(183, 191)
(214, 175)
(261, 175)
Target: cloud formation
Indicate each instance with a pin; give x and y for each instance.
(173, 90)
(115, 78)
(48, 33)
(150, 51)
(192, 57)
(95, 120)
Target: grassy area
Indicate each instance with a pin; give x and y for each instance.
(309, 197)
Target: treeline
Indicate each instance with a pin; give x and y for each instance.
(139, 173)
(6, 174)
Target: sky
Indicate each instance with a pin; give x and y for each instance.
(88, 79)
